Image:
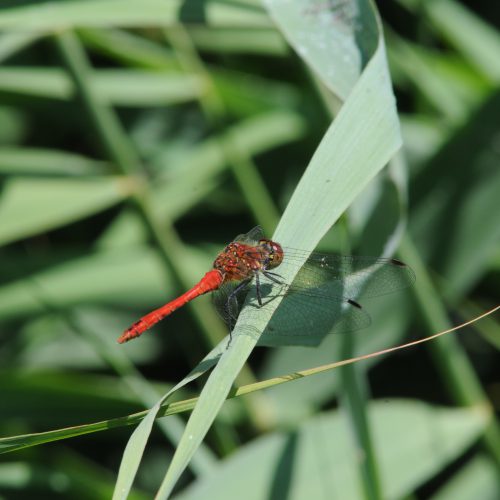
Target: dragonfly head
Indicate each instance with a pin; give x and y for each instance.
(274, 253)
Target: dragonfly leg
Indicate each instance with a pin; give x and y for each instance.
(232, 305)
(273, 277)
(257, 289)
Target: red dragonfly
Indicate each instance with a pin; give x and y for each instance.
(322, 298)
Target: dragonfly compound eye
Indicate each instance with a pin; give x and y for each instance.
(274, 252)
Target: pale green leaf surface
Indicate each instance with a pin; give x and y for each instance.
(36, 161)
(130, 13)
(266, 42)
(133, 454)
(31, 206)
(146, 88)
(129, 48)
(476, 479)
(50, 342)
(334, 38)
(338, 172)
(132, 277)
(117, 86)
(413, 441)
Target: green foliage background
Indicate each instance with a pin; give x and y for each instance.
(137, 138)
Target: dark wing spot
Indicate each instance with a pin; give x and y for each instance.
(397, 262)
(354, 303)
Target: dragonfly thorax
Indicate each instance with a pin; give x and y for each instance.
(239, 261)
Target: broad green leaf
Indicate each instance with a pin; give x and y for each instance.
(334, 38)
(414, 442)
(49, 342)
(265, 42)
(242, 94)
(101, 13)
(338, 172)
(133, 277)
(476, 479)
(30, 206)
(130, 48)
(35, 161)
(117, 86)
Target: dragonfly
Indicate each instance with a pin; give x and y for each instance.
(322, 298)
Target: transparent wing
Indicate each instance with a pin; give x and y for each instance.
(358, 277)
(252, 237)
(304, 316)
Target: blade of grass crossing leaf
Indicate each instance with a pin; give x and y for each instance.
(137, 384)
(137, 443)
(132, 455)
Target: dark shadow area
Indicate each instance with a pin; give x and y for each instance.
(193, 11)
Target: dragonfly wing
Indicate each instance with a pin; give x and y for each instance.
(229, 302)
(356, 276)
(306, 316)
(305, 321)
(252, 237)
